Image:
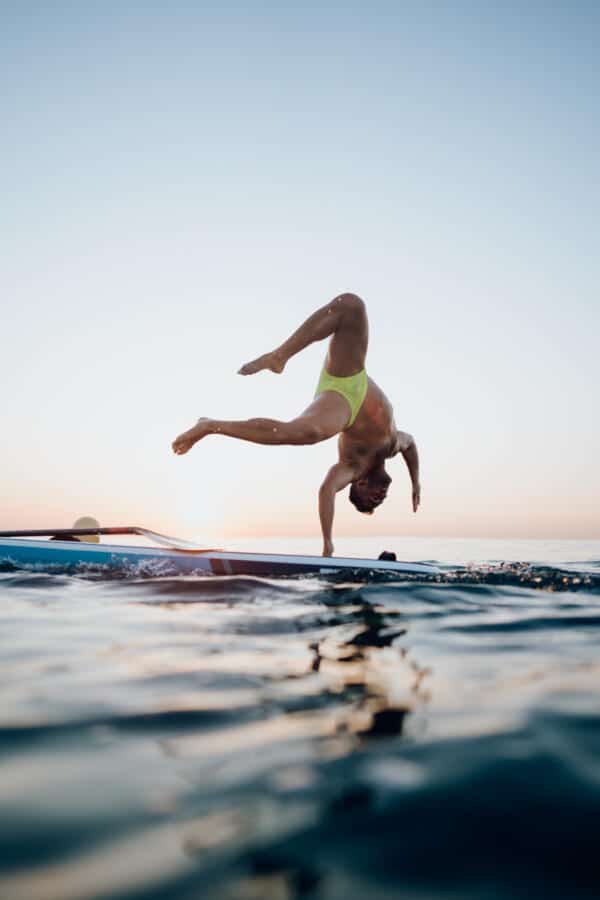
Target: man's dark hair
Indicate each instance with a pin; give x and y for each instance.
(359, 501)
(357, 498)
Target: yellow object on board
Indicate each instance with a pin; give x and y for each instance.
(88, 522)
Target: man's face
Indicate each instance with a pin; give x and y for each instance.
(370, 491)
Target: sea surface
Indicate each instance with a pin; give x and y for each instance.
(244, 739)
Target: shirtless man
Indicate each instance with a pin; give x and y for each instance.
(347, 403)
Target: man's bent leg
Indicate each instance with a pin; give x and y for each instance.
(257, 431)
(349, 342)
(344, 316)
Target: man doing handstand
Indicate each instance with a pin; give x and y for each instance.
(347, 403)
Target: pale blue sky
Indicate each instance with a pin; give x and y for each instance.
(182, 184)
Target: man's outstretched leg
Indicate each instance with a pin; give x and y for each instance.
(325, 417)
(344, 319)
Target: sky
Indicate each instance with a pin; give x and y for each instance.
(184, 183)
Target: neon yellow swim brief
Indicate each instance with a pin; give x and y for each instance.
(352, 387)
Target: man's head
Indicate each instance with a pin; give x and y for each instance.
(368, 492)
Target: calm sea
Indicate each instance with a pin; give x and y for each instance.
(242, 739)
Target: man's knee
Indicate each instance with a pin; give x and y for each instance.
(351, 303)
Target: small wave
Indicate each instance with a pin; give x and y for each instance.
(207, 588)
(525, 575)
(154, 723)
(34, 580)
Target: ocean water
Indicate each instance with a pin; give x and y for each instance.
(246, 739)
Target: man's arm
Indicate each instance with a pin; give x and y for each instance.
(410, 454)
(339, 476)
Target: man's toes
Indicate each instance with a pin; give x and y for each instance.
(250, 368)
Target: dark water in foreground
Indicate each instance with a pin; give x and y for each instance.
(242, 739)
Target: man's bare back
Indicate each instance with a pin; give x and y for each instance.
(348, 403)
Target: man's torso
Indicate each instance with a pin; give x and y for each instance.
(372, 437)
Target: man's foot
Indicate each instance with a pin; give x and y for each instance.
(272, 361)
(186, 441)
